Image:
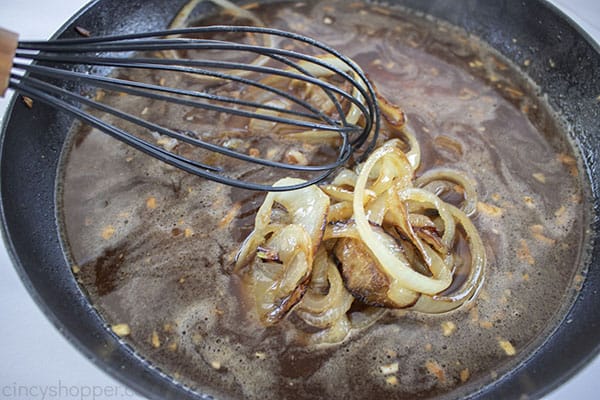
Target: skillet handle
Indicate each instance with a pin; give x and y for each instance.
(8, 46)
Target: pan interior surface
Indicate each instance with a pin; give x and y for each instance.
(117, 225)
(132, 227)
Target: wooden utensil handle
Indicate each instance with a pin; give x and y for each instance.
(8, 46)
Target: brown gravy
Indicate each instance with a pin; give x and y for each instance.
(151, 250)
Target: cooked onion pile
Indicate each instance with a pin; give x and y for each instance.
(334, 258)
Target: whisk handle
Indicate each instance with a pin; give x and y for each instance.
(8, 46)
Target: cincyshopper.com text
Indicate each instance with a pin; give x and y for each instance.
(62, 391)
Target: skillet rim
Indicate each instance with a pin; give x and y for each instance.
(115, 372)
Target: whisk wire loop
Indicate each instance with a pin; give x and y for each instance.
(165, 65)
(353, 117)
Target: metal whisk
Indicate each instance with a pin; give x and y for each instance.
(351, 122)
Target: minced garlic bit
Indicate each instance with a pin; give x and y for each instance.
(538, 176)
(529, 202)
(108, 232)
(99, 95)
(75, 269)
(215, 364)
(434, 368)
(484, 295)
(271, 153)
(486, 324)
(464, 375)
(513, 92)
(475, 64)
(168, 143)
(389, 369)
(391, 380)
(537, 233)
(376, 62)
(391, 353)
(231, 214)
(82, 31)
(448, 328)
(155, 340)
(560, 213)
(296, 157)
(566, 159)
(489, 209)
(507, 347)
(28, 101)
(197, 339)
(578, 281)
(121, 329)
(151, 203)
(188, 232)
(474, 314)
(576, 198)
(260, 355)
(524, 254)
(466, 94)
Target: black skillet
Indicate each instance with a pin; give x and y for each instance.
(32, 140)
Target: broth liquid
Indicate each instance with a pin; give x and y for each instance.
(151, 249)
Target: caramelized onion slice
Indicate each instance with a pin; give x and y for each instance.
(396, 121)
(443, 303)
(345, 177)
(260, 127)
(278, 286)
(469, 205)
(365, 279)
(427, 200)
(391, 167)
(401, 275)
(333, 335)
(181, 21)
(363, 276)
(339, 212)
(319, 301)
(306, 207)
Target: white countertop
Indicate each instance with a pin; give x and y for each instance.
(36, 361)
